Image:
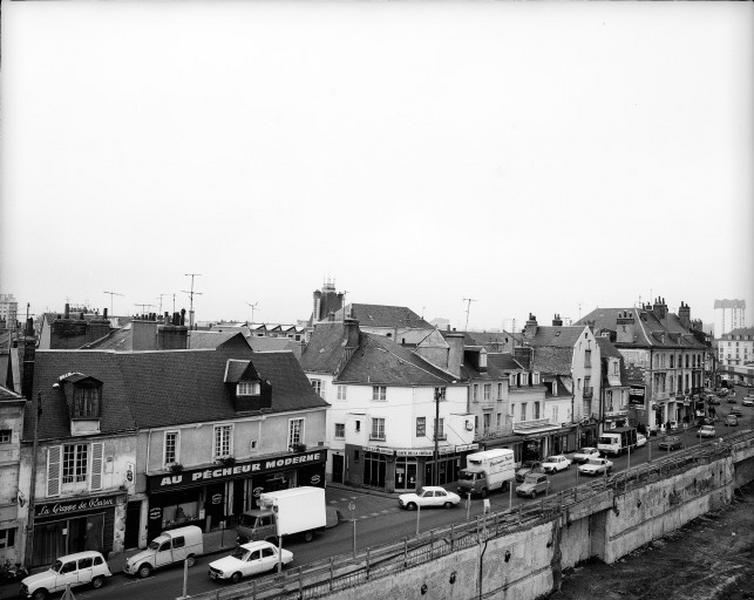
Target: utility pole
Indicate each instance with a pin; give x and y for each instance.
(111, 300)
(253, 306)
(191, 294)
(468, 302)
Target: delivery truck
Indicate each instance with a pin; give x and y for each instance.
(487, 471)
(299, 511)
(617, 441)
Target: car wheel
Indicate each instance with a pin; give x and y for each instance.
(308, 536)
(448, 505)
(40, 594)
(236, 577)
(190, 560)
(145, 570)
(411, 506)
(97, 582)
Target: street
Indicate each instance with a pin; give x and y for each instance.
(379, 520)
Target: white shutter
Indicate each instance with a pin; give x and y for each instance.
(98, 449)
(53, 470)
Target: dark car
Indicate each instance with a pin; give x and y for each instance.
(731, 421)
(736, 411)
(671, 442)
(528, 466)
(731, 399)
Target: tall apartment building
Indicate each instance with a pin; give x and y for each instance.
(8, 310)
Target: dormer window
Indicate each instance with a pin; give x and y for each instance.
(86, 401)
(247, 388)
(482, 360)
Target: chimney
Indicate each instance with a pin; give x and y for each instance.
(29, 350)
(104, 313)
(530, 330)
(455, 352)
(557, 321)
(684, 315)
(143, 335)
(659, 308)
(67, 311)
(172, 337)
(625, 327)
(316, 316)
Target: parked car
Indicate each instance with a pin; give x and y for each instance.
(731, 421)
(707, 431)
(584, 454)
(528, 466)
(596, 466)
(170, 547)
(641, 440)
(671, 442)
(723, 392)
(736, 411)
(731, 399)
(533, 484)
(555, 463)
(429, 496)
(714, 400)
(748, 401)
(76, 569)
(249, 559)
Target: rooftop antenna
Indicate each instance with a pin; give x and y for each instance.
(191, 294)
(143, 306)
(579, 311)
(160, 298)
(468, 302)
(111, 299)
(345, 303)
(253, 306)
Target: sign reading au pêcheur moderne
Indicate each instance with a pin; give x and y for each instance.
(73, 506)
(169, 481)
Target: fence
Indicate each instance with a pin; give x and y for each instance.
(317, 580)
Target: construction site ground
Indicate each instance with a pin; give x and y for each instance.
(711, 558)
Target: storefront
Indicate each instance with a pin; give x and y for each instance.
(75, 525)
(213, 497)
(403, 469)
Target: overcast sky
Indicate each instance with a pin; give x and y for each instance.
(535, 157)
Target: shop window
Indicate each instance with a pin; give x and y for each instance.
(223, 441)
(340, 430)
(379, 392)
(421, 426)
(171, 448)
(8, 537)
(6, 436)
(378, 429)
(295, 432)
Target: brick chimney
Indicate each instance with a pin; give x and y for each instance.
(684, 315)
(557, 321)
(659, 308)
(530, 329)
(351, 330)
(455, 352)
(316, 314)
(625, 324)
(143, 335)
(172, 337)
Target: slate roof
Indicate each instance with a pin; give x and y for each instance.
(324, 352)
(555, 336)
(647, 328)
(380, 315)
(213, 339)
(742, 331)
(607, 348)
(267, 344)
(121, 340)
(492, 340)
(499, 366)
(553, 360)
(380, 361)
(162, 388)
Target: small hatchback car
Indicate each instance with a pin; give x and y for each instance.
(76, 569)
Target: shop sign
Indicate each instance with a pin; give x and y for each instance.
(465, 447)
(74, 506)
(158, 483)
(636, 395)
(155, 513)
(378, 449)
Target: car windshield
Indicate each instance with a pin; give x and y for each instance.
(586, 450)
(553, 458)
(466, 476)
(56, 565)
(594, 461)
(606, 440)
(155, 543)
(240, 553)
(531, 478)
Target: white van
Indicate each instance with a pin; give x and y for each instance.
(169, 547)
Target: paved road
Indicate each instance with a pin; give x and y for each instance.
(379, 521)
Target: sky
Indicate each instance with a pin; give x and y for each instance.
(544, 158)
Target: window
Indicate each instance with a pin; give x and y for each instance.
(475, 392)
(179, 542)
(554, 414)
(523, 379)
(341, 392)
(440, 429)
(223, 436)
(687, 361)
(512, 379)
(75, 460)
(379, 392)
(6, 436)
(513, 410)
(295, 432)
(587, 358)
(247, 388)
(487, 391)
(672, 361)
(486, 418)
(440, 394)
(421, 426)
(523, 411)
(536, 410)
(535, 378)
(85, 563)
(499, 420)
(499, 391)
(378, 429)
(340, 430)
(171, 448)
(7, 537)
(616, 368)
(86, 401)
(357, 426)
(317, 385)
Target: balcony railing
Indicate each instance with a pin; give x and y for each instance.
(377, 437)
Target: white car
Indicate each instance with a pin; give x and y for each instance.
(748, 401)
(585, 454)
(553, 464)
(596, 466)
(641, 440)
(72, 569)
(247, 560)
(429, 496)
(707, 431)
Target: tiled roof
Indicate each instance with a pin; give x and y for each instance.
(160, 388)
(324, 352)
(380, 315)
(380, 361)
(555, 336)
(553, 360)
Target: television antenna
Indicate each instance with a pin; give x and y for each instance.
(111, 299)
(468, 302)
(252, 306)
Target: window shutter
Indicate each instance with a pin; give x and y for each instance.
(53, 470)
(98, 449)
